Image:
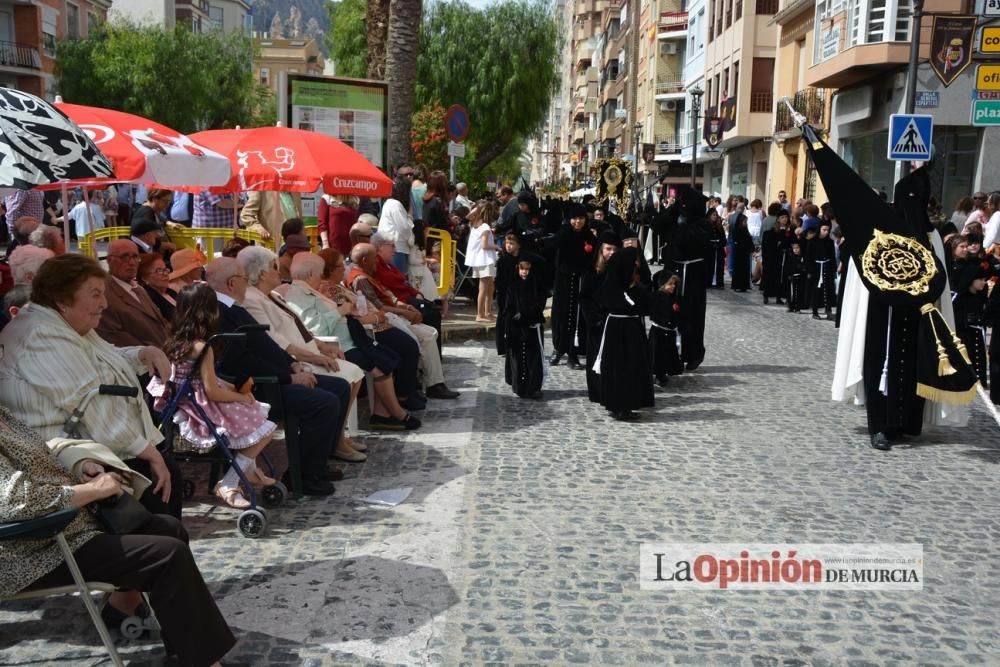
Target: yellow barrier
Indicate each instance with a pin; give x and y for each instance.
(87, 243)
(449, 259)
(189, 237)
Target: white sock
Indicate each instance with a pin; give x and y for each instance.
(231, 480)
(246, 463)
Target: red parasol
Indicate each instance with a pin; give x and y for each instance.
(288, 160)
(143, 151)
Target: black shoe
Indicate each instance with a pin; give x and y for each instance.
(625, 416)
(692, 365)
(441, 390)
(880, 442)
(333, 475)
(663, 381)
(414, 404)
(380, 423)
(573, 362)
(554, 359)
(830, 317)
(410, 423)
(816, 316)
(537, 395)
(317, 486)
(766, 301)
(115, 619)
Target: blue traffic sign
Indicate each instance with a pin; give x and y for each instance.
(910, 137)
(456, 123)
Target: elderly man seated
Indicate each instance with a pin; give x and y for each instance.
(291, 335)
(131, 317)
(362, 279)
(318, 401)
(48, 237)
(395, 281)
(21, 231)
(25, 262)
(361, 231)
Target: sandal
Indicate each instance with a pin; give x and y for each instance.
(255, 476)
(232, 496)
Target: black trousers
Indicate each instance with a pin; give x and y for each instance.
(430, 313)
(152, 501)
(159, 562)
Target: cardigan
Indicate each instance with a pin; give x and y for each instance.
(33, 484)
(46, 368)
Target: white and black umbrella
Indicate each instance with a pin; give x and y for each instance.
(39, 145)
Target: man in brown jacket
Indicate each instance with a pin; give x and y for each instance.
(131, 318)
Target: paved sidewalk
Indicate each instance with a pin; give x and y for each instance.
(520, 542)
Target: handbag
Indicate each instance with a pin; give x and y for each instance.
(121, 515)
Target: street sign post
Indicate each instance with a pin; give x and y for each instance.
(910, 137)
(989, 40)
(988, 77)
(456, 124)
(986, 112)
(456, 149)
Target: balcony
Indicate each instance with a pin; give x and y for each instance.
(761, 101)
(669, 90)
(673, 25)
(584, 54)
(579, 113)
(667, 148)
(810, 102)
(19, 55)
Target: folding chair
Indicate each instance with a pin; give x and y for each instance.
(53, 525)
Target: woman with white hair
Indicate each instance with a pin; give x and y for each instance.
(268, 307)
(324, 317)
(25, 262)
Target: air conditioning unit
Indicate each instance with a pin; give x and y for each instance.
(668, 48)
(668, 105)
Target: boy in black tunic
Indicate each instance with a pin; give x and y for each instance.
(795, 277)
(821, 261)
(524, 369)
(665, 311)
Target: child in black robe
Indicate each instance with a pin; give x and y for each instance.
(821, 262)
(524, 369)
(742, 253)
(970, 305)
(623, 357)
(717, 257)
(665, 309)
(591, 311)
(795, 277)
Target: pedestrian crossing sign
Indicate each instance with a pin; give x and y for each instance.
(910, 137)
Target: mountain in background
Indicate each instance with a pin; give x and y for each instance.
(298, 19)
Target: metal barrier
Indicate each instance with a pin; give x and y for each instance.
(107, 234)
(449, 261)
(186, 237)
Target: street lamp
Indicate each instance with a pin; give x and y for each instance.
(695, 94)
(635, 150)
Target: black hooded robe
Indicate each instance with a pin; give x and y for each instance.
(689, 246)
(970, 310)
(623, 357)
(821, 262)
(717, 258)
(771, 256)
(593, 318)
(742, 254)
(665, 315)
(574, 256)
(524, 365)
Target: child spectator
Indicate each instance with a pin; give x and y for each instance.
(481, 257)
(237, 414)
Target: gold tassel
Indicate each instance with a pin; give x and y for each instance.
(944, 365)
(961, 348)
(946, 397)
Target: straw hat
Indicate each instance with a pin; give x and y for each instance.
(185, 261)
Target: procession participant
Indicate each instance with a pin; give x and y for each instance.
(591, 310)
(896, 348)
(665, 313)
(688, 248)
(772, 254)
(717, 255)
(524, 366)
(575, 245)
(507, 276)
(821, 261)
(623, 356)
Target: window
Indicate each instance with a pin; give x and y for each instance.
(701, 21)
(736, 79)
(93, 21)
(761, 85)
(72, 21)
(711, 20)
(739, 10)
(726, 92)
(49, 18)
(708, 92)
(265, 76)
(718, 91)
(216, 17)
(767, 7)
(729, 13)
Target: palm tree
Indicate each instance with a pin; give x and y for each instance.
(377, 29)
(401, 75)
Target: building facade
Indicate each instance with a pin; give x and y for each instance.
(29, 31)
(292, 56)
(199, 15)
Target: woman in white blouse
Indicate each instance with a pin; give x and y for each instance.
(396, 224)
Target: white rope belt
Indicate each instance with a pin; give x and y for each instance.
(684, 271)
(600, 351)
(821, 262)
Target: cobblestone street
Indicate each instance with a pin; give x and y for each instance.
(520, 541)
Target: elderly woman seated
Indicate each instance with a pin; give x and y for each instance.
(53, 358)
(267, 307)
(361, 279)
(155, 558)
(324, 317)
